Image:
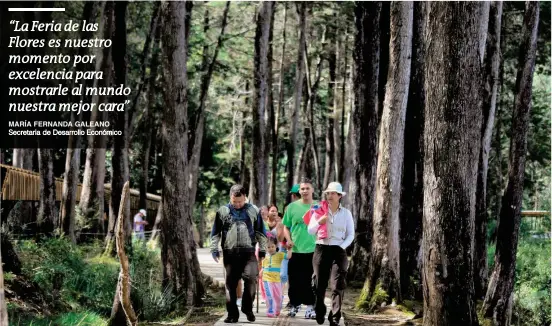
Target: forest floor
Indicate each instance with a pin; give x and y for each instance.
(386, 316)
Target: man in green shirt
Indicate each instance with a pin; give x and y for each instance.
(300, 268)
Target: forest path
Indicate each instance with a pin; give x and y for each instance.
(209, 267)
(386, 317)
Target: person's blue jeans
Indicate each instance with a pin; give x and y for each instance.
(284, 271)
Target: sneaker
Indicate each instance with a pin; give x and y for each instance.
(293, 311)
(239, 302)
(250, 316)
(231, 320)
(309, 313)
(270, 315)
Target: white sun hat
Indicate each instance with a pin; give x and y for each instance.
(335, 187)
(143, 211)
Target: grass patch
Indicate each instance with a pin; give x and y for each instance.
(86, 318)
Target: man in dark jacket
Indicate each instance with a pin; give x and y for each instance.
(239, 227)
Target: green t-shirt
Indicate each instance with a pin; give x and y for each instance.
(303, 242)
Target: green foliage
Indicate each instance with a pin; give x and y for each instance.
(83, 278)
(367, 302)
(9, 276)
(86, 318)
(60, 269)
(532, 287)
(150, 300)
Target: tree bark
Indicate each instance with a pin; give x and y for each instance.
(412, 197)
(385, 38)
(259, 172)
(23, 158)
(119, 160)
(298, 93)
(201, 226)
(497, 304)
(490, 91)
(120, 177)
(181, 268)
(150, 102)
(47, 206)
(122, 294)
(340, 135)
(243, 141)
(153, 31)
(329, 161)
(483, 30)
(275, 115)
(91, 205)
(157, 223)
(362, 146)
(3, 308)
(73, 159)
(384, 268)
(451, 147)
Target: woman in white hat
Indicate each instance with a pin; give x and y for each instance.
(330, 258)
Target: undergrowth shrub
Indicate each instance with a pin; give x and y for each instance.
(85, 280)
(531, 305)
(150, 299)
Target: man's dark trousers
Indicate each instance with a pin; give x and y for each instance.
(329, 262)
(240, 266)
(300, 279)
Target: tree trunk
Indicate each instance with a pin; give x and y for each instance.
(497, 305)
(483, 29)
(69, 192)
(259, 171)
(47, 207)
(119, 160)
(384, 269)
(91, 205)
(329, 161)
(310, 100)
(362, 148)
(73, 159)
(120, 176)
(490, 75)
(412, 197)
(178, 250)
(340, 134)
(243, 167)
(3, 307)
(385, 24)
(497, 147)
(150, 103)
(152, 35)
(277, 115)
(23, 158)
(298, 91)
(122, 293)
(157, 224)
(451, 149)
(269, 108)
(201, 226)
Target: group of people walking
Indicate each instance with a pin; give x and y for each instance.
(306, 248)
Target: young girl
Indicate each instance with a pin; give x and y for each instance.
(271, 277)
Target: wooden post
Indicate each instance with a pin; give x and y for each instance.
(124, 276)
